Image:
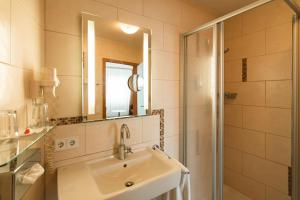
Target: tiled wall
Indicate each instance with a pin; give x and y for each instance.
(21, 52)
(258, 121)
(103, 137)
(166, 18)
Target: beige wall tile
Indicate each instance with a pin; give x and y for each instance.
(233, 27)
(273, 9)
(157, 100)
(233, 159)
(233, 71)
(270, 67)
(254, 44)
(101, 136)
(165, 65)
(27, 49)
(34, 9)
(171, 122)
(245, 185)
(245, 91)
(167, 10)
(151, 128)
(266, 172)
(16, 87)
(273, 194)
(235, 46)
(272, 120)
(109, 2)
(279, 121)
(68, 13)
(63, 52)
(172, 146)
(255, 118)
(5, 31)
(254, 20)
(279, 38)
(171, 38)
(171, 94)
(279, 149)
(95, 8)
(135, 6)
(68, 131)
(233, 115)
(245, 140)
(279, 93)
(65, 11)
(68, 100)
(192, 15)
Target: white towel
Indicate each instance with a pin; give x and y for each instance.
(29, 176)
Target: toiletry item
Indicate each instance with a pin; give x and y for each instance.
(50, 79)
(39, 113)
(8, 124)
(30, 175)
(27, 131)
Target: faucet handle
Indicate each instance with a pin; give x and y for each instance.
(128, 150)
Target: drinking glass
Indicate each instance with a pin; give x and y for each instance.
(8, 124)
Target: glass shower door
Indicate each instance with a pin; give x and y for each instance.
(200, 112)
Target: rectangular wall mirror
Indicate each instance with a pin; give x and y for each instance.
(116, 69)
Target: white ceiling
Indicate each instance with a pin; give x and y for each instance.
(224, 6)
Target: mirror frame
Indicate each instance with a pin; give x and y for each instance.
(85, 15)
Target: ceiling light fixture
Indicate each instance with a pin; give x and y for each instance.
(129, 29)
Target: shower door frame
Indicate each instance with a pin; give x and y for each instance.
(218, 143)
(215, 33)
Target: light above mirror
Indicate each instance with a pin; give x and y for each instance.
(129, 29)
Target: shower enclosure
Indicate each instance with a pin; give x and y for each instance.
(240, 104)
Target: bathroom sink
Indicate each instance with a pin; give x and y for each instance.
(143, 175)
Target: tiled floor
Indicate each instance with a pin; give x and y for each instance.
(232, 194)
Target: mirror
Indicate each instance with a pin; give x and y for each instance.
(116, 69)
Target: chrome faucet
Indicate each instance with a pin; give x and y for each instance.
(123, 149)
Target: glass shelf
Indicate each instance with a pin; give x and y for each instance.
(12, 148)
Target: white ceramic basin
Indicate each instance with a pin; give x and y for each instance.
(147, 174)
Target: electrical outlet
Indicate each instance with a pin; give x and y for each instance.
(60, 144)
(66, 143)
(72, 142)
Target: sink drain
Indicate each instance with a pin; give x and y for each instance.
(129, 183)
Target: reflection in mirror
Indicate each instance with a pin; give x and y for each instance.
(116, 69)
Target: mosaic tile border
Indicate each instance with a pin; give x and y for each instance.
(161, 114)
(68, 120)
(80, 119)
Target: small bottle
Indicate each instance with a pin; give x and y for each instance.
(39, 113)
